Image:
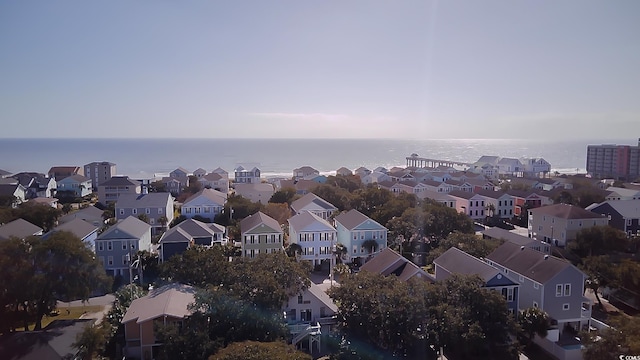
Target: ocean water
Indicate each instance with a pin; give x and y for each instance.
(141, 158)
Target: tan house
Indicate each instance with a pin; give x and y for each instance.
(558, 224)
(260, 234)
(255, 192)
(162, 306)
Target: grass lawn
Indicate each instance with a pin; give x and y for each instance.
(67, 313)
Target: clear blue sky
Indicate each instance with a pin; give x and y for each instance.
(349, 69)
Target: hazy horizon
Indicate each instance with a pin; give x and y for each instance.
(414, 69)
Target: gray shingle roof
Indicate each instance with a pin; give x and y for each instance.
(498, 233)
(90, 212)
(301, 221)
(171, 300)
(456, 261)
(528, 262)
(389, 262)
(151, 200)
(131, 226)
(311, 198)
(256, 219)
(565, 211)
(629, 209)
(120, 181)
(190, 228)
(213, 195)
(353, 218)
(78, 227)
(19, 228)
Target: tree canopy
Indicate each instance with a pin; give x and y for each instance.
(255, 350)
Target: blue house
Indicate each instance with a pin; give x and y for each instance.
(355, 230)
(117, 245)
(456, 261)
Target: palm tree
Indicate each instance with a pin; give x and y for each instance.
(340, 252)
(293, 250)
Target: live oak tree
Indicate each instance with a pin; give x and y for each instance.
(42, 271)
(598, 240)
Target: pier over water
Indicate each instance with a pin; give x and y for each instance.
(419, 162)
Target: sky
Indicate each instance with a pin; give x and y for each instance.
(320, 69)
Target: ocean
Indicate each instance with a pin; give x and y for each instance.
(142, 158)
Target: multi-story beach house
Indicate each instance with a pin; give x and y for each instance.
(471, 204)
(255, 192)
(314, 204)
(558, 224)
(497, 203)
(158, 208)
(303, 172)
(343, 171)
(99, 172)
(553, 285)
(61, 172)
(117, 246)
(206, 203)
(215, 181)
(75, 185)
(190, 232)
(110, 190)
(456, 261)
(36, 184)
(315, 236)
(536, 167)
(260, 234)
(166, 305)
(361, 236)
(623, 215)
(243, 175)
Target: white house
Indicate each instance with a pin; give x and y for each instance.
(243, 175)
(206, 203)
(315, 236)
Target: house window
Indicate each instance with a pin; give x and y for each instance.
(535, 304)
(536, 285)
(147, 211)
(152, 221)
(355, 249)
(100, 247)
(510, 294)
(134, 211)
(628, 222)
(159, 210)
(567, 289)
(125, 260)
(124, 245)
(299, 299)
(109, 245)
(110, 260)
(558, 290)
(121, 211)
(565, 306)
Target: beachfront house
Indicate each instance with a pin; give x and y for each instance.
(243, 175)
(343, 171)
(497, 203)
(61, 172)
(558, 224)
(361, 236)
(75, 185)
(206, 203)
(304, 172)
(260, 234)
